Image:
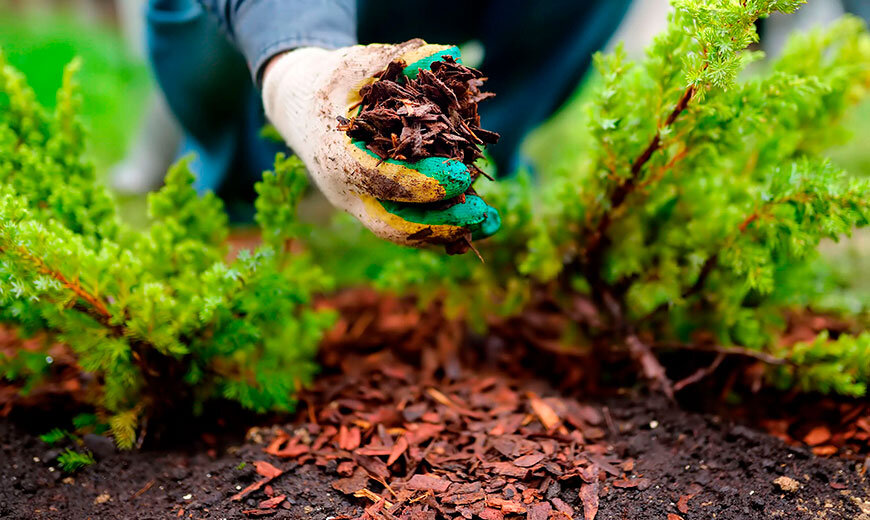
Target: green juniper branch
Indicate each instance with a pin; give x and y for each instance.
(159, 316)
(694, 202)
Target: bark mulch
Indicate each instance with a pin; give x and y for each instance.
(405, 425)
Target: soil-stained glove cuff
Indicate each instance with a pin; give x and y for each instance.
(288, 96)
(264, 28)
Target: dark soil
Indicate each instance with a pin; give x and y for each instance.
(730, 472)
(647, 457)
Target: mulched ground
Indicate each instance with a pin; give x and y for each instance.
(424, 430)
(691, 466)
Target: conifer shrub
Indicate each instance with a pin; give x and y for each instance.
(159, 317)
(689, 203)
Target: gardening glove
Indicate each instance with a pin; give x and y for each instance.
(305, 90)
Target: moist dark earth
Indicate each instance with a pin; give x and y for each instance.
(729, 471)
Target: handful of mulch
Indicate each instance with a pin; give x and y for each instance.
(433, 115)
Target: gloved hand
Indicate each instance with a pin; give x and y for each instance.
(303, 93)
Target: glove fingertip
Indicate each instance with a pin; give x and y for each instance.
(451, 174)
(490, 225)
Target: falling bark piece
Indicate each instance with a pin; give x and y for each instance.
(427, 483)
(271, 503)
(589, 497)
(352, 484)
(545, 412)
(527, 461)
(268, 471)
(397, 451)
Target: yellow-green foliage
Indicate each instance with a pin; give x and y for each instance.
(160, 317)
(696, 198)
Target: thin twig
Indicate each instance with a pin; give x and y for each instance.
(649, 363)
(622, 191)
(720, 349)
(700, 374)
(79, 291)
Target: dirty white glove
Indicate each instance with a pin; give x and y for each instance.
(305, 90)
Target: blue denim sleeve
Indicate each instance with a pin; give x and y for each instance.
(263, 28)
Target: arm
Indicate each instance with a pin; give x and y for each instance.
(263, 29)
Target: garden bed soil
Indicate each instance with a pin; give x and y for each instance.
(498, 442)
(729, 471)
(669, 464)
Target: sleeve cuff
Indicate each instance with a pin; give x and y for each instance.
(265, 28)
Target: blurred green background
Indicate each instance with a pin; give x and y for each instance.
(115, 85)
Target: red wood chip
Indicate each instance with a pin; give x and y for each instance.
(527, 461)
(351, 485)
(348, 439)
(272, 502)
(428, 483)
(589, 497)
(491, 514)
(267, 470)
(562, 506)
(507, 469)
(545, 413)
(345, 469)
(672, 516)
(397, 451)
(375, 467)
(259, 512)
(540, 511)
(683, 503)
(250, 489)
(818, 435)
(507, 506)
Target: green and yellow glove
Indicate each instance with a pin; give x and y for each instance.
(303, 93)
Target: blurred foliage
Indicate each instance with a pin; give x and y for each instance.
(114, 83)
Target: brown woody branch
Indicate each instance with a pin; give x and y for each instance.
(729, 351)
(95, 303)
(597, 240)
